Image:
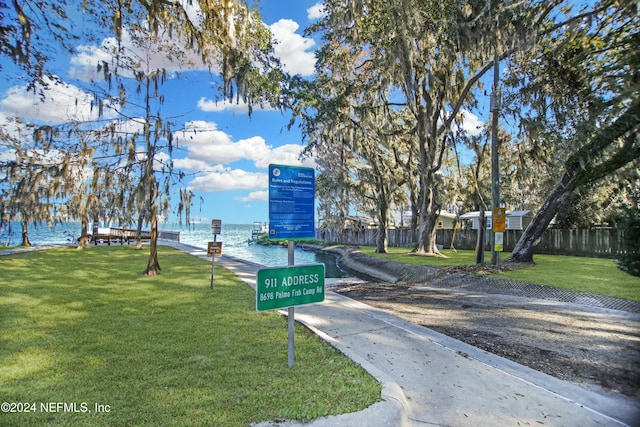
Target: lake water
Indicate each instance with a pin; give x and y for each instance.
(234, 238)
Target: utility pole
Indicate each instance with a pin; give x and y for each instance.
(495, 161)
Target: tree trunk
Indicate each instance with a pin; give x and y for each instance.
(427, 238)
(480, 240)
(523, 251)
(83, 241)
(428, 183)
(426, 199)
(415, 215)
(139, 233)
(433, 221)
(25, 234)
(153, 266)
(428, 218)
(582, 169)
(381, 240)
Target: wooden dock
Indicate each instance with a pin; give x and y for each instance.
(127, 235)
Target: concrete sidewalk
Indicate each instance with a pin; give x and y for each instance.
(431, 379)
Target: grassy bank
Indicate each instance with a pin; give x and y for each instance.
(595, 275)
(85, 328)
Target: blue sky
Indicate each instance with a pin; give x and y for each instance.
(227, 153)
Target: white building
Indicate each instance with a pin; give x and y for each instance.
(516, 220)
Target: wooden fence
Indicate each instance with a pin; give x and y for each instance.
(602, 243)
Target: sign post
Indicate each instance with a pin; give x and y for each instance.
(291, 218)
(291, 311)
(214, 248)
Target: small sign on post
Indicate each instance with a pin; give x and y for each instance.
(499, 221)
(498, 241)
(214, 248)
(216, 226)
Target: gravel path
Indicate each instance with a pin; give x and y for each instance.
(585, 338)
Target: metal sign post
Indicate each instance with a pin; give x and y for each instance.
(214, 248)
(499, 225)
(213, 263)
(291, 311)
(495, 158)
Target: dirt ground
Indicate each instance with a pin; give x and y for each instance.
(591, 346)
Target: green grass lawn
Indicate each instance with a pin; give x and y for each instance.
(86, 328)
(595, 275)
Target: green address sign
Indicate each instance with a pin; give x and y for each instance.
(282, 287)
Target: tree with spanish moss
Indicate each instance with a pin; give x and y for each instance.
(577, 96)
(430, 57)
(227, 36)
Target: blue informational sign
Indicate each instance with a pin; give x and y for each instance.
(291, 202)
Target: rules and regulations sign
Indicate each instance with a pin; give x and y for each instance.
(281, 287)
(291, 203)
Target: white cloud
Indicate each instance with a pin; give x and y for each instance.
(160, 160)
(191, 164)
(127, 127)
(316, 11)
(7, 155)
(471, 124)
(208, 149)
(206, 143)
(164, 54)
(54, 103)
(262, 195)
(169, 54)
(292, 48)
(10, 128)
(15, 134)
(7, 152)
(240, 107)
(284, 155)
(84, 64)
(224, 179)
(218, 106)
